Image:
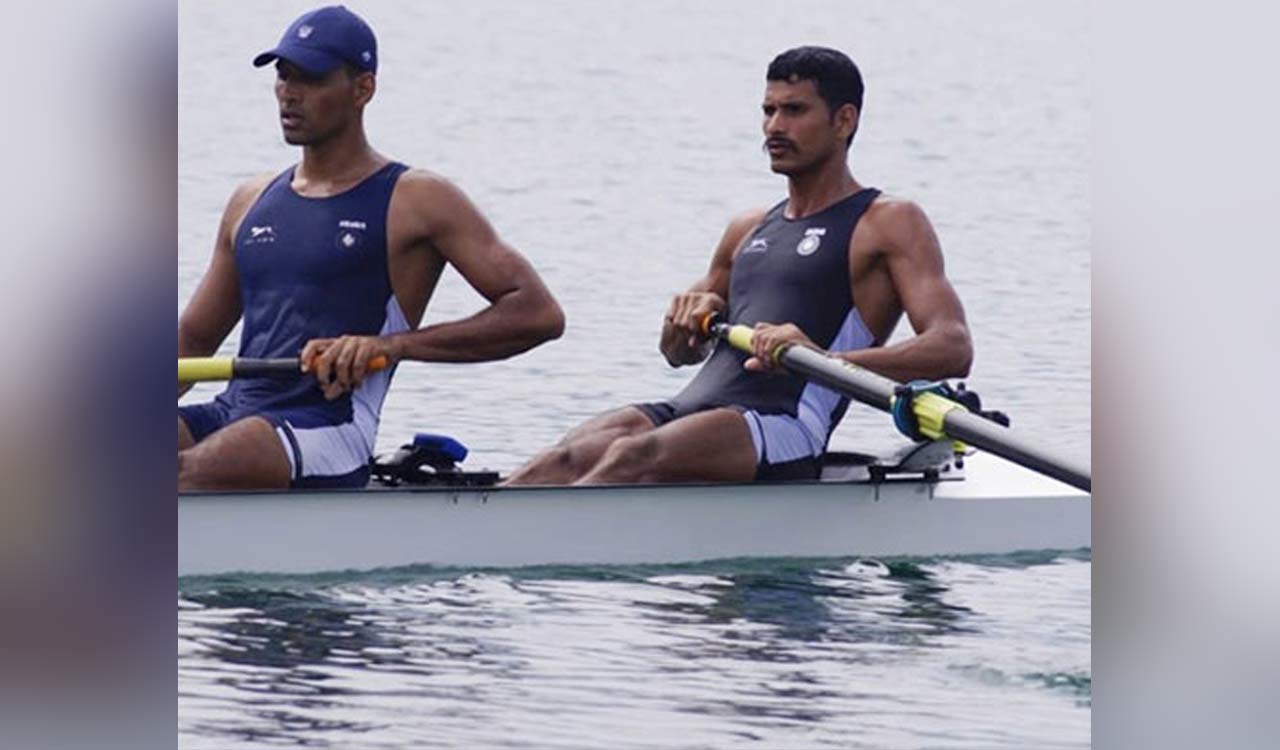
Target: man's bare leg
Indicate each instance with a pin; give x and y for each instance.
(709, 446)
(580, 450)
(246, 454)
(184, 436)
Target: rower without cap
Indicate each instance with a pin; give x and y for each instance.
(833, 267)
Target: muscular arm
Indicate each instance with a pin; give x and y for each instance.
(213, 310)
(909, 249)
(681, 343)
(521, 314)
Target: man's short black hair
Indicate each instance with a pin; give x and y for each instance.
(837, 78)
(354, 70)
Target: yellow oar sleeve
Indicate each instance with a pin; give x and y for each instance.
(931, 413)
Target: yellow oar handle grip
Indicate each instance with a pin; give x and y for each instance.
(739, 336)
(197, 369)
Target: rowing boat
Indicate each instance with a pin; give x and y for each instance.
(933, 497)
(863, 507)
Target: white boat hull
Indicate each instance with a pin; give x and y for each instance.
(294, 533)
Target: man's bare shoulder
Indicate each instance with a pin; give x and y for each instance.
(748, 220)
(423, 185)
(742, 225)
(248, 191)
(425, 204)
(242, 199)
(895, 222)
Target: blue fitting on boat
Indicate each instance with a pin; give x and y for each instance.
(442, 445)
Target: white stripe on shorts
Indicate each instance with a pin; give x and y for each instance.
(325, 451)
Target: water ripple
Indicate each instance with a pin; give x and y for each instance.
(714, 654)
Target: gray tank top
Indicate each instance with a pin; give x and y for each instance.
(788, 271)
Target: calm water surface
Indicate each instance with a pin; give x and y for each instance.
(611, 142)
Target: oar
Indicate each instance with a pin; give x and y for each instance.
(938, 416)
(199, 369)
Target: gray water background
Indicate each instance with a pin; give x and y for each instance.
(611, 142)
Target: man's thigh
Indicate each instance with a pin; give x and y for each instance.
(245, 454)
(707, 446)
(712, 446)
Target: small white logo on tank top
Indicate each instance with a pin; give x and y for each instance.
(350, 234)
(812, 239)
(260, 235)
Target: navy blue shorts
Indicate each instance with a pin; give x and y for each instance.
(321, 453)
(785, 447)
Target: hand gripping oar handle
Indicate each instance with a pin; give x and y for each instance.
(200, 369)
(937, 415)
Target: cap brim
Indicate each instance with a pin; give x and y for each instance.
(313, 61)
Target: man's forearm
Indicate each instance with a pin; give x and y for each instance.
(514, 323)
(935, 355)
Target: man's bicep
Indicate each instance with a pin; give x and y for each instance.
(213, 310)
(469, 242)
(932, 301)
(215, 307)
(919, 273)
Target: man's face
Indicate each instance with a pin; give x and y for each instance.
(313, 109)
(798, 128)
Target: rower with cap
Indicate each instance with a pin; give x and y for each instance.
(335, 259)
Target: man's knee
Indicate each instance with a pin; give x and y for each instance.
(577, 457)
(557, 457)
(632, 451)
(188, 469)
(185, 440)
(197, 467)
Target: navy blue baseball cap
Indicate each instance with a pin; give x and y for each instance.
(322, 39)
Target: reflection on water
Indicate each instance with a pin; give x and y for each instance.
(723, 651)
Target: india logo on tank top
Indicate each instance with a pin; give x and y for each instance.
(812, 239)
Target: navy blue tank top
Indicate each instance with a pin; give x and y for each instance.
(312, 268)
(788, 271)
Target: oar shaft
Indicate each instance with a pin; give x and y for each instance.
(863, 385)
(994, 438)
(200, 369)
(878, 391)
